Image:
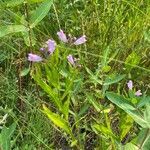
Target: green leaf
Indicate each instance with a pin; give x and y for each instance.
(65, 109)
(132, 60)
(126, 123)
(83, 109)
(147, 115)
(48, 89)
(95, 104)
(24, 72)
(128, 108)
(27, 38)
(4, 30)
(103, 129)
(144, 101)
(130, 146)
(120, 101)
(113, 79)
(94, 79)
(106, 53)
(40, 13)
(6, 134)
(143, 139)
(13, 3)
(106, 69)
(57, 120)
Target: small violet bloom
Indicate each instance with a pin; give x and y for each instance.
(130, 84)
(51, 46)
(42, 49)
(71, 59)
(34, 57)
(80, 40)
(62, 36)
(138, 93)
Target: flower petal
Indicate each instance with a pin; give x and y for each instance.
(34, 58)
(80, 40)
(51, 46)
(138, 93)
(130, 84)
(62, 36)
(71, 59)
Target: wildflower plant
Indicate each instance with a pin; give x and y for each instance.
(57, 74)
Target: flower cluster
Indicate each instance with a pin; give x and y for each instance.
(51, 45)
(130, 86)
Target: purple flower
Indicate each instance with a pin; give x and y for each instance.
(51, 46)
(80, 40)
(42, 49)
(34, 57)
(71, 59)
(138, 93)
(130, 84)
(62, 36)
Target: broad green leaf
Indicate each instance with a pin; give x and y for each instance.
(102, 129)
(120, 101)
(24, 72)
(126, 123)
(113, 79)
(128, 108)
(4, 30)
(95, 104)
(6, 134)
(13, 3)
(40, 13)
(57, 120)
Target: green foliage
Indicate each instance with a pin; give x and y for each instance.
(13, 3)
(24, 72)
(132, 60)
(57, 120)
(40, 13)
(5, 137)
(4, 30)
(142, 118)
(103, 129)
(75, 99)
(113, 79)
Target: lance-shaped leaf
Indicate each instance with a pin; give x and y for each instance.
(57, 120)
(124, 104)
(13, 3)
(40, 13)
(113, 79)
(99, 128)
(4, 30)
